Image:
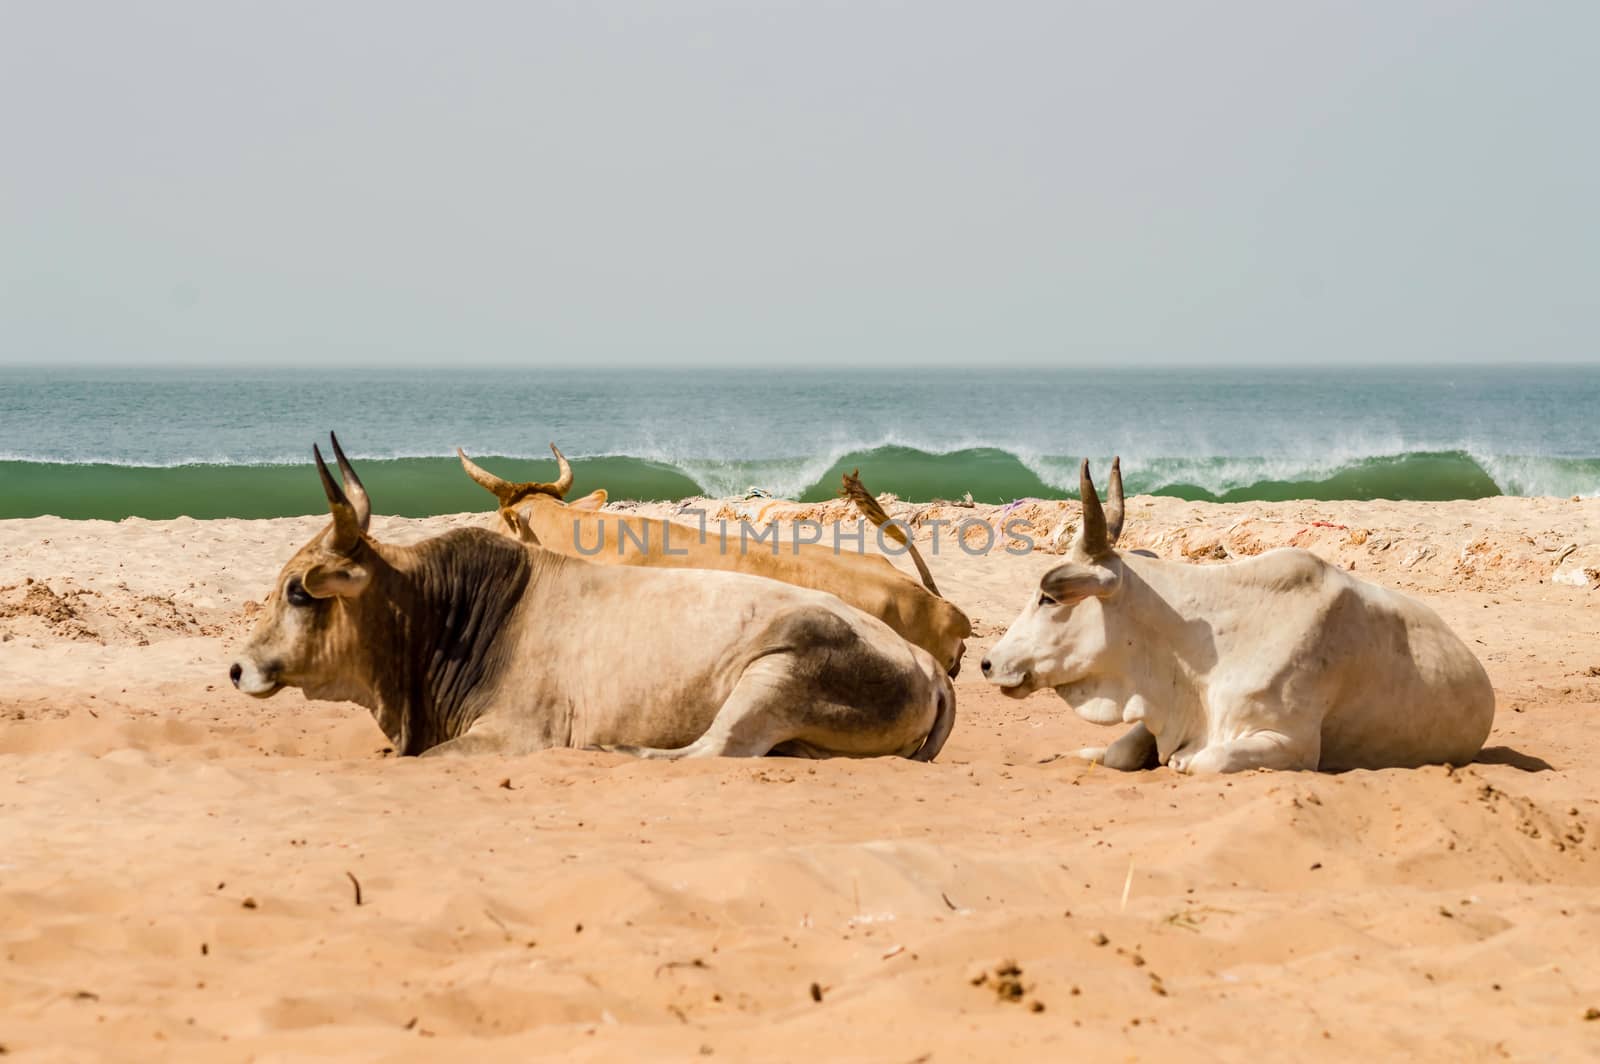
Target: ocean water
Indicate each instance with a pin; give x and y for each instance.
(159, 443)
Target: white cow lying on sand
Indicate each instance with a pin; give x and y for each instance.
(1280, 661)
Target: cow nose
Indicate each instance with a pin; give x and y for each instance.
(985, 666)
(236, 672)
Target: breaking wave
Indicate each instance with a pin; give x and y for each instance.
(420, 486)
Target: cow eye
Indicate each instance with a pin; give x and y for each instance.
(297, 595)
(1046, 600)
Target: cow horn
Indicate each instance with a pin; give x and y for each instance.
(510, 492)
(1092, 536)
(563, 482)
(353, 488)
(503, 490)
(1114, 503)
(346, 527)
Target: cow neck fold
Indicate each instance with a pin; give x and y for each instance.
(1177, 647)
(449, 600)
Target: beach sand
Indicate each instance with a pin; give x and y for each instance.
(179, 864)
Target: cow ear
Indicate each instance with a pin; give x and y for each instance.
(590, 502)
(1073, 582)
(326, 581)
(517, 522)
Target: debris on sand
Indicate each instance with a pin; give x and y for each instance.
(85, 615)
(1005, 979)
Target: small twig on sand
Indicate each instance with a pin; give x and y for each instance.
(357, 884)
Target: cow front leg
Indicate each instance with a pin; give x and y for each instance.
(1260, 750)
(470, 743)
(1134, 750)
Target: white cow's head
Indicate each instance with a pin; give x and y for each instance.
(1066, 637)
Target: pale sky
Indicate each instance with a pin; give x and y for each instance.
(752, 183)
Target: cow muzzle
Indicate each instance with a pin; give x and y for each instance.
(1012, 683)
(254, 680)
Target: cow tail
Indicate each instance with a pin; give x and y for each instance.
(944, 719)
(857, 493)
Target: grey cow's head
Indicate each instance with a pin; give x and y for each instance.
(1064, 635)
(308, 635)
(407, 631)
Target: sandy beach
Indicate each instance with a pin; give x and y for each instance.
(187, 872)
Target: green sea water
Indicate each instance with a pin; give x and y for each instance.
(166, 443)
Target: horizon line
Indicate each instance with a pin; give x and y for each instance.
(816, 367)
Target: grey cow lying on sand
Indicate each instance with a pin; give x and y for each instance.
(1280, 661)
(472, 642)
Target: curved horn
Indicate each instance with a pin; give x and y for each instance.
(353, 488)
(1092, 538)
(503, 490)
(563, 482)
(512, 492)
(346, 527)
(1114, 502)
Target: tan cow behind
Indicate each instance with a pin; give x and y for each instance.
(537, 513)
(473, 642)
(1279, 661)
